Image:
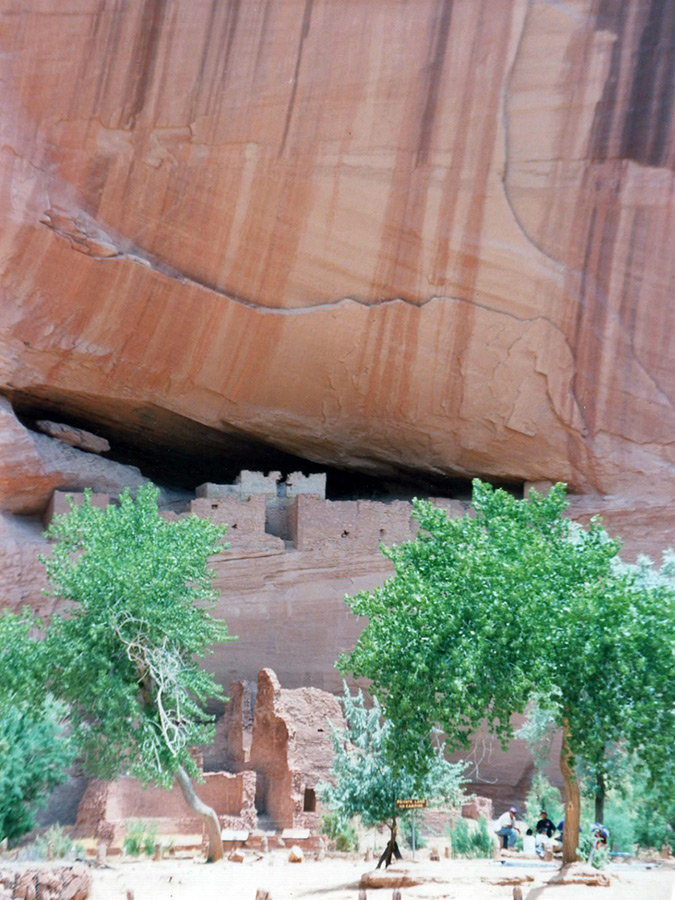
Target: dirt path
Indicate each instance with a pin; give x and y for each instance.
(338, 879)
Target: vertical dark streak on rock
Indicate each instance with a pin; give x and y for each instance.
(641, 127)
(224, 49)
(111, 39)
(97, 176)
(591, 343)
(467, 269)
(452, 179)
(263, 32)
(632, 280)
(611, 17)
(630, 293)
(304, 31)
(639, 115)
(663, 114)
(206, 46)
(163, 75)
(144, 56)
(441, 34)
(97, 36)
(577, 330)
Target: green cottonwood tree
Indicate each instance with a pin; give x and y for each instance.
(35, 751)
(367, 780)
(487, 611)
(124, 655)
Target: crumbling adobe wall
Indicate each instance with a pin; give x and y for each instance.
(291, 750)
(357, 525)
(234, 730)
(107, 806)
(269, 754)
(307, 713)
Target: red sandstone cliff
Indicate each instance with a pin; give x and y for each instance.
(431, 236)
(427, 236)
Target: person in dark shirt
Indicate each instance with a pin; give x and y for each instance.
(544, 825)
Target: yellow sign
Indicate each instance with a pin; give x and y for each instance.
(411, 804)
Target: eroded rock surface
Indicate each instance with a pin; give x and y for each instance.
(33, 465)
(433, 237)
(75, 437)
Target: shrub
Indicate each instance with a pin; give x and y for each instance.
(654, 827)
(460, 838)
(469, 842)
(484, 840)
(543, 795)
(138, 839)
(601, 855)
(620, 820)
(342, 834)
(347, 839)
(406, 833)
(61, 843)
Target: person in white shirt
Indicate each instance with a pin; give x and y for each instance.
(506, 827)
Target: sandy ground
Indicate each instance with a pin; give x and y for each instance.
(338, 879)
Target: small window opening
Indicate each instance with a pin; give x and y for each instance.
(310, 801)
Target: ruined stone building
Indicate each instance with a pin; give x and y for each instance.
(268, 763)
(292, 557)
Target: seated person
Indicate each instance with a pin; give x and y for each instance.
(506, 827)
(544, 825)
(544, 834)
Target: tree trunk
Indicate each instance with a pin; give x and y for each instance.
(600, 791)
(205, 813)
(572, 800)
(391, 848)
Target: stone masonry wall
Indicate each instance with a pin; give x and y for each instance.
(106, 806)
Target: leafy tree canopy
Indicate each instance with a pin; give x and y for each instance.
(22, 658)
(488, 610)
(35, 751)
(367, 781)
(124, 654)
(35, 754)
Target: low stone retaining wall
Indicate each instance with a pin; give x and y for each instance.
(49, 881)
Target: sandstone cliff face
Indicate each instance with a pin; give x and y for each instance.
(427, 236)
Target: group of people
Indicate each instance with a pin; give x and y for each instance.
(507, 828)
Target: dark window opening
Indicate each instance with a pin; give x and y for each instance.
(310, 801)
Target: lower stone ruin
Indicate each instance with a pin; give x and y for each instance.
(270, 759)
(49, 881)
